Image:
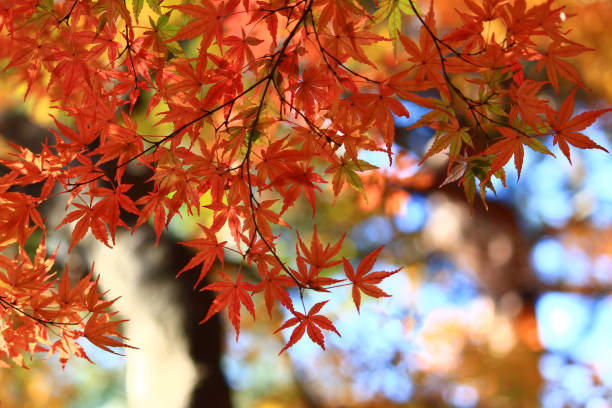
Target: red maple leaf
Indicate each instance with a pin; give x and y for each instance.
(273, 285)
(88, 218)
(111, 204)
(209, 21)
(311, 91)
(100, 328)
(309, 278)
(378, 107)
(566, 129)
(365, 281)
(317, 256)
(425, 56)
(551, 59)
(240, 48)
(527, 104)
(309, 323)
(511, 144)
(18, 210)
(489, 11)
(299, 177)
(208, 250)
(231, 296)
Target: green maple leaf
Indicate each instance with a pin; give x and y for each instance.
(392, 11)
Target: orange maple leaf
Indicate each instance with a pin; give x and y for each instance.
(273, 285)
(209, 21)
(100, 328)
(231, 296)
(309, 278)
(566, 129)
(365, 281)
(511, 144)
(299, 177)
(309, 323)
(551, 59)
(209, 249)
(317, 256)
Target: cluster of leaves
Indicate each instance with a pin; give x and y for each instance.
(280, 98)
(36, 317)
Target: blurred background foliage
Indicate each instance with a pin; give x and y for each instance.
(509, 307)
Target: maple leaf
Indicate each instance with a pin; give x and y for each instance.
(299, 177)
(92, 300)
(67, 296)
(345, 170)
(273, 285)
(309, 277)
(31, 52)
(425, 55)
(365, 281)
(511, 145)
(274, 160)
(264, 216)
(208, 23)
(310, 91)
(311, 323)
(469, 33)
(111, 204)
(101, 331)
(66, 346)
(189, 79)
(71, 71)
(89, 218)
(121, 143)
(347, 42)
(318, 257)
(392, 11)
(153, 205)
(24, 276)
(240, 48)
(338, 10)
(378, 107)
(448, 136)
(489, 11)
(209, 249)
(231, 296)
(18, 210)
(230, 214)
(551, 59)
(566, 129)
(528, 105)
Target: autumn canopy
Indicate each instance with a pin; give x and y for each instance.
(268, 101)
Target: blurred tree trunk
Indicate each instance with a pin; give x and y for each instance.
(177, 364)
